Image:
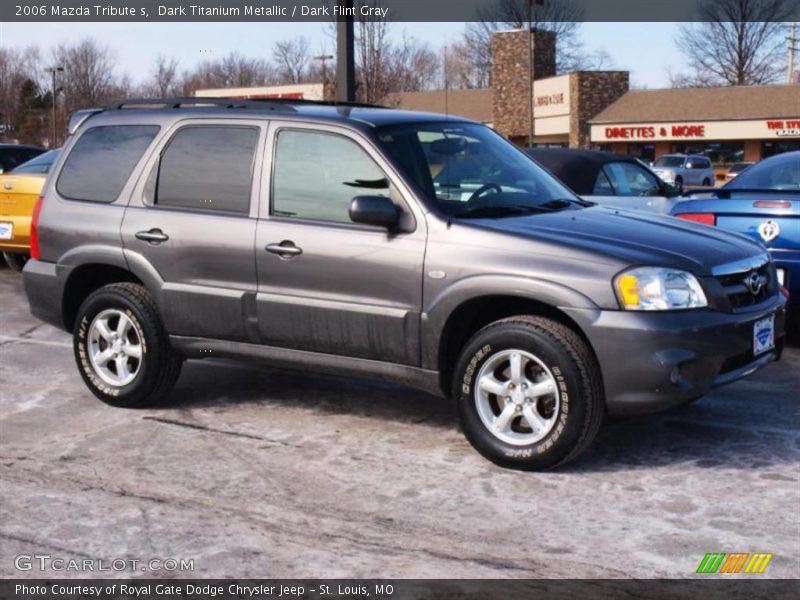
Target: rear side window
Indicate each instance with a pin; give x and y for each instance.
(208, 167)
(102, 160)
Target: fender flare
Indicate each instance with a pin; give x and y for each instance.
(438, 311)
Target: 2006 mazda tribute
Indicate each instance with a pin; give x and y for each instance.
(415, 248)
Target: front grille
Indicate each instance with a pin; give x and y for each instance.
(739, 291)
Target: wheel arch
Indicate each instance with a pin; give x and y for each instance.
(455, 318)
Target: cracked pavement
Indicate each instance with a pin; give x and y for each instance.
(256, 472)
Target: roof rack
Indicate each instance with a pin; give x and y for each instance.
(286, 104)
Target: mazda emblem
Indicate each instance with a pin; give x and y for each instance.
(754, 282)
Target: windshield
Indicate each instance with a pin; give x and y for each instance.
(781, 172)
(41, 164)
(669, 161)
(470, 171)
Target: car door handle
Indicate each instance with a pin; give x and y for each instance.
(154, 236)
(286, 249)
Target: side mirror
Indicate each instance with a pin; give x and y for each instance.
(374, 210)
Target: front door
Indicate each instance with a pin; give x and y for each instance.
(192, 222)
(326, 284)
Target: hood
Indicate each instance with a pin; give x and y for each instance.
(632, 237)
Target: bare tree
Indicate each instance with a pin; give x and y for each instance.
(292, 59)
(738, 42)
(233, 70)
(16, 67)
(561, 18)
(88, 78)
(165, 76)
(459, 69)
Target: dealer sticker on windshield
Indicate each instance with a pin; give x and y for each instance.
(763, 335)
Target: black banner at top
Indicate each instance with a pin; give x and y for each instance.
(395, 10)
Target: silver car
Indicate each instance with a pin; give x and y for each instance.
(684, 169)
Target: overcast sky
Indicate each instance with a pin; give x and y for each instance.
(645, 49)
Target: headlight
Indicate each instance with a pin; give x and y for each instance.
(666, 175)
(655, 288)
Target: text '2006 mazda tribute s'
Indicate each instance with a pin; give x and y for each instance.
(415, 248)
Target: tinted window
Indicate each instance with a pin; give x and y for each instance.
(630, 179)
(316, 175)
(669, 161)
(101, 161)
(602, 187)
(208, 168)
(41, 164)
(13, 157)
(781, 172)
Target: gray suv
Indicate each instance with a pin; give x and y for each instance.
(685, 169)
(419, 249)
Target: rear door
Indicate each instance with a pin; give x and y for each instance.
(341, 288)
(194, 222)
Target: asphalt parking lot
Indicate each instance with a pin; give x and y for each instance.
(261, 473)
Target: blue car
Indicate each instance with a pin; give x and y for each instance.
(763, 202)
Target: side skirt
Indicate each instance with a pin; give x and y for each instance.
(286, 358)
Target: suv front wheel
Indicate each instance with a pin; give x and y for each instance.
(529, 393)
(121, 347)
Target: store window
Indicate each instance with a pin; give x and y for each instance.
(772, 148)
(720, 154)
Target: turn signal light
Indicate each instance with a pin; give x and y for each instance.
(37, 208)
(704, 218)
(629, 290)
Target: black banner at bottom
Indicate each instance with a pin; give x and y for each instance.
(397, 589)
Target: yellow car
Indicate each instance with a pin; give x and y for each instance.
(19, 190)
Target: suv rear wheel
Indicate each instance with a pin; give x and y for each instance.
(529, 393)
(122, 349)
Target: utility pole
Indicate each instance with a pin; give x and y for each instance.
(792, 48)
(345, 54)
(54, 92)
(324, 58)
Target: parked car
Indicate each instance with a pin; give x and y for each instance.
(13, 155)
(764, 204)
(608, 178)
(317, 237)
(19, 191)
(685, 169)
(735, 169)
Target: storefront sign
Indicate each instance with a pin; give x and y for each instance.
(710, 130)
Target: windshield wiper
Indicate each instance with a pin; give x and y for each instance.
(565, 202)
(501, 210)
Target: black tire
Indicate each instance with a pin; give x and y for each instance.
(160, 365)
(706, 182)
(15, 262)
(581, 408)
(679, 183)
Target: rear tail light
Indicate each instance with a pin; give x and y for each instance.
(35, 254)
(704, 218)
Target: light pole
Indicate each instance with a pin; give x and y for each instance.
(324, 58)
(53, 71)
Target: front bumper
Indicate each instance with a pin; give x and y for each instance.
(655, 361)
